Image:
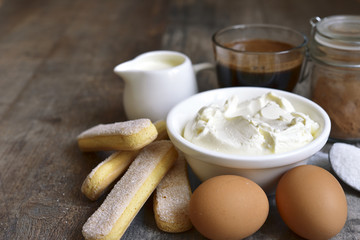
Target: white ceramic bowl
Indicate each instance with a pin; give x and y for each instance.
(265, 170)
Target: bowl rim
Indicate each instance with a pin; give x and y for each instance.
(233, 160)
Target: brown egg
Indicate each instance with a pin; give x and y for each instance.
(228, 207)
(311, 202)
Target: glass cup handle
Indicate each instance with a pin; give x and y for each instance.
(304, 72)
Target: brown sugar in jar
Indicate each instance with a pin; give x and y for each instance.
(338, 92)
(334, 50)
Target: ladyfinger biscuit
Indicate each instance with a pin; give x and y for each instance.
(171, 199)
(131, 192)
(101, 177)
(128, 135)
(111, 168)
(161, 128)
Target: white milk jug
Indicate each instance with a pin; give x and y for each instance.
(156, 81)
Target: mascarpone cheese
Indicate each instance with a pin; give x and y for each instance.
(265, 125)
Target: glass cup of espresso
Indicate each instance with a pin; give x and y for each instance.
(259, 55)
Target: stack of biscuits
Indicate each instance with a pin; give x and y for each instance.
(144, 161)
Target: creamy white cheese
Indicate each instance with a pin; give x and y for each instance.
(264, 125)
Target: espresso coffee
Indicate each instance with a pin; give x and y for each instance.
(267, 69)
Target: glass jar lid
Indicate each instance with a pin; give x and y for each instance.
(340, 32)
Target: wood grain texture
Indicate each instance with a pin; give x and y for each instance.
(56, 80)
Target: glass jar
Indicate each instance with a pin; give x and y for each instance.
(334, 51)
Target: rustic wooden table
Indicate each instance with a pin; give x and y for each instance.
(56, 80)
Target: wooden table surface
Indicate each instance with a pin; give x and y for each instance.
(56, 80)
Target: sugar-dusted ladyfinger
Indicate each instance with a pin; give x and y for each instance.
(172, 198)
(104, 174)
(128, 135)
(113, 217)
(161, 128)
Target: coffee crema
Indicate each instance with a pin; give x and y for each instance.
(259, 45)
(259, 62)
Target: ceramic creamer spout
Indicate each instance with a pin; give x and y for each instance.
(126, 70)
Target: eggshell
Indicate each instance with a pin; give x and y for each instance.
(228, 207)
(311, 202)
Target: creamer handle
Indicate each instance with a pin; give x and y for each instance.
(202, 66)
